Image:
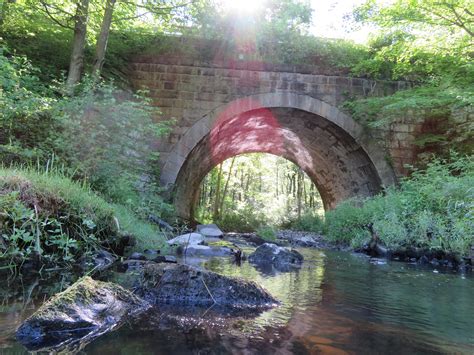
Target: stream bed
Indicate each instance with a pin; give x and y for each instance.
(338, 303)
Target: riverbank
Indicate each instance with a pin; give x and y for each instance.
(49, 221)
(372, 248)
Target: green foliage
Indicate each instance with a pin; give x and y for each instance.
(101, 135)
(429, 43)
(309, 221)
(107, 140)
(244, 219)
(50, 215)
(25, 102)
(46, 213)
(420, 38)
(434, 208)
(267, 233)
(245, 185)
(148, 236)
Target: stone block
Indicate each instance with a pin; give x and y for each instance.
(186, 95)
(298, 86)
(169, 85)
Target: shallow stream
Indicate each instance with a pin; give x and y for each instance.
(338, 303)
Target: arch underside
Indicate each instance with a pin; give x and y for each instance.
(332, 158)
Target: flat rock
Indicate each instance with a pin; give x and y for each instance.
(190, 286)
(131, 265)
(209, 230)
(137, 256)
(82, 312)
(280, 257)
(189, 238)
(302, 239)
(207, 251)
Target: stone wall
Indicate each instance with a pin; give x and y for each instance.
(201, 96)
(186, 90)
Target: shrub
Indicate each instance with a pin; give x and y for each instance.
(308, 222)
(267, 233)
(241, 220)
(101, 135)
(434, 208)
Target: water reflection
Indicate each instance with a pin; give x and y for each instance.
(337, 303)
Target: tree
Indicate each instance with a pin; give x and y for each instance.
(102, 39)
(420, 14)
(78, 45)
(4, 11)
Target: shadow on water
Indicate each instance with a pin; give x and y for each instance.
(337, 303)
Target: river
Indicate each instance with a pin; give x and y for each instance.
(337, 303)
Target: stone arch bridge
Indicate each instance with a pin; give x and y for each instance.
(226, 108)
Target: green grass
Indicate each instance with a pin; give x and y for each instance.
(148, 235)
(48, 213)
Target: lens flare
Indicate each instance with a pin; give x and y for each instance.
(242, 6)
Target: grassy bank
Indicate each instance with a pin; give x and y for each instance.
(433, 210)
(49, 216)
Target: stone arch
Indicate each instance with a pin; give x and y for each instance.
(340, 157)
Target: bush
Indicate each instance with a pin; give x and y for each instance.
(309, 222)
(267, 233)
(101, 135)
(243, 220)
(432, 209)
(107, 139)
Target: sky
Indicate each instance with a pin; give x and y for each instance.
(328, 20)
(328, 16)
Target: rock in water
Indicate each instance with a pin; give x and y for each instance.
(281, 258)
(99, 261)
(209, 230)
(189, 238)
(207, 251)
(82, 312)
(185, 285)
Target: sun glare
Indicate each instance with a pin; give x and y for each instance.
(242, 6)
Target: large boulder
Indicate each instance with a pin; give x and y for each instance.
(185, 285)
(281, 258)
(187, 239)
(209, 230)
(79, 314)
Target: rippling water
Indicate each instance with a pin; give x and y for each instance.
(338, 303)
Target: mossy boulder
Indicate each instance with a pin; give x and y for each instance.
(79, 314)
(185, 285)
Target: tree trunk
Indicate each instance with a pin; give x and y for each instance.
(215, 213)
(76, 63)
(102, 39)
(299, 193)
(224, 193)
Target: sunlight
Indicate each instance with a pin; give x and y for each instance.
(242, 6)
